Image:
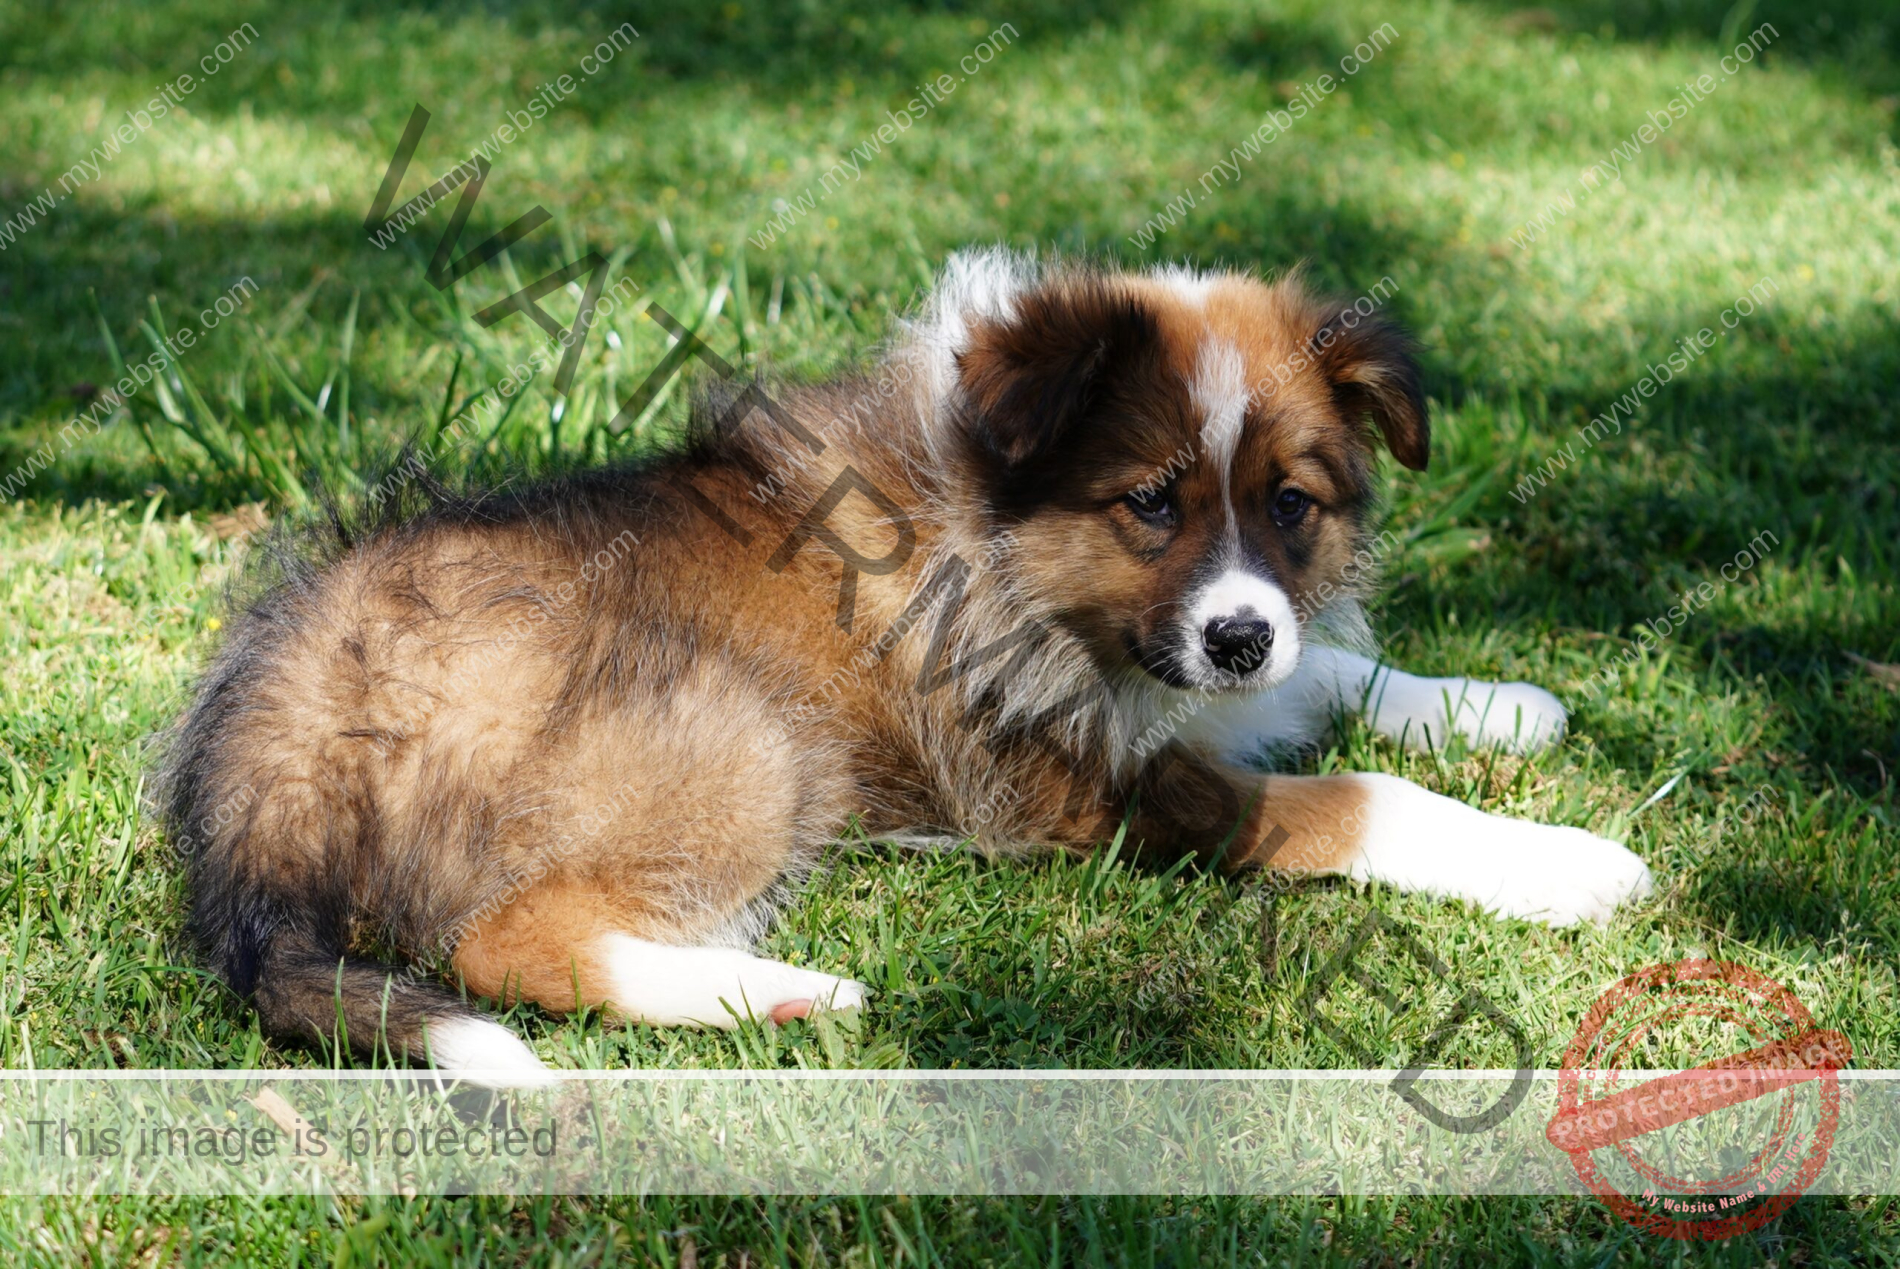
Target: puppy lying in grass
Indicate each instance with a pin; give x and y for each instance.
(1065, 563)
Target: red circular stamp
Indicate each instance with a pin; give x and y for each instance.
(1753, 1092)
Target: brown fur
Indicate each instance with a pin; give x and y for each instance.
(464, 732)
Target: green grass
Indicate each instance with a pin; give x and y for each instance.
(1777, 848)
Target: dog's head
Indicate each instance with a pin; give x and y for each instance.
(1184, 460)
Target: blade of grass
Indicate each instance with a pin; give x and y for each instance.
(290, 385)
(343, 389)
(443, 415)
(118, 374)
(299, 304)
(658, 402)
(742, 300)
(220, 453)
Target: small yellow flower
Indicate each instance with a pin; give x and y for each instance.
(214, 624)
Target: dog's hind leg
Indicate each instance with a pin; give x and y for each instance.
(647, 906)
(1371, 827)
(574, 943)
(714, 986)
(564, 947)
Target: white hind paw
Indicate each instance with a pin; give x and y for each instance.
(478, 1051)
(666, 985)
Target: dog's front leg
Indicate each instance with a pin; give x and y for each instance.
(1422, 713)
(1373, 827)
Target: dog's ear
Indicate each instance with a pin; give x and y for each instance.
(1373, 367)
(1028, 378)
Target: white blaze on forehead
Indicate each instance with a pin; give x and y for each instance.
(1184, 283)
(1219, 391)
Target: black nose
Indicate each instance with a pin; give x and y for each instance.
(1237, 645)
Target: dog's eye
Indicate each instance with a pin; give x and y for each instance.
(1289, 508)
(1152, 505)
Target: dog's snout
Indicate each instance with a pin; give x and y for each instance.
(1237, 644)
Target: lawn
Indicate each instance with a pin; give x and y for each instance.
(1539, 545)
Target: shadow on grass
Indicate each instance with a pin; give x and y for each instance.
(126, 255)
(1856, 39)
(1811, 456)
(772, 47)
(1781, 899)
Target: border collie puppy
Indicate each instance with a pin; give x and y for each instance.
(1076, 554)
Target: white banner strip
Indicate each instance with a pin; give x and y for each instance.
(1684, 1137)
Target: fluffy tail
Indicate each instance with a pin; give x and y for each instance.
(293, 965)
(307, 988)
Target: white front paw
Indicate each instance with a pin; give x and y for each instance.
(1561, 876)
(1520, 717)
